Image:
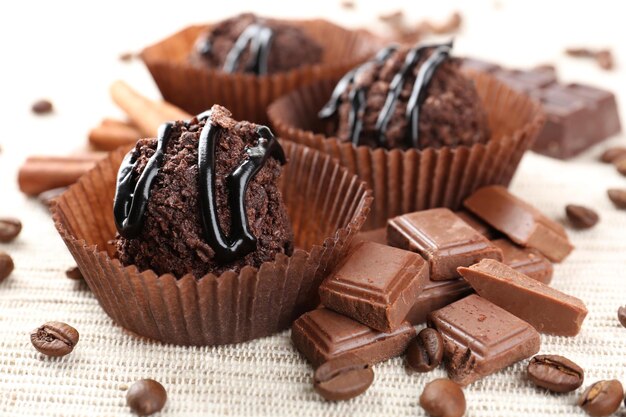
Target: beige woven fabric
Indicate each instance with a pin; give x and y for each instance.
(266, 377)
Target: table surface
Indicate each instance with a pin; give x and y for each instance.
(69, 54)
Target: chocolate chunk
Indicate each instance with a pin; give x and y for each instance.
(526, 81)
(547, 309)
(555, 373)
(613, 154)
(425, 352)
(343, 378)
(602, 399)
(435, 295)
(321, 335)
(377, 235)
(42, 107)
(581, 217)
(621, 315)
(443, 398)
(578, 116)
(481, 338)
(519, 221)
(441, 237)
(618, 197)
(526, 260)
(478, 225)
(376, 285)
(6, 265)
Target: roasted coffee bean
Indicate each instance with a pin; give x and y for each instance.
(146, 397)
(9, 228)
(602, 398)
(6, 265)
(613, 154)
(74, 273)
(127, 56)
(556, 373)
(54, 338)
(581, 217)
(425, 352)
(50, 197)
(443, 398)
(343, 378)
(618, 197)
(42, 107)
(621, 315)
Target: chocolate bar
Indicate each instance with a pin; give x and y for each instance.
(519, 221)
(547, 309)
(376, 285)
(481, 338)
(322, 334)
(478, 225)
(527, 81)
(435, 295)
(441, 237)
(528, 261)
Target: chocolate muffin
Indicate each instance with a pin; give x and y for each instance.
(408, 98)
(248, 43)
(202, 197)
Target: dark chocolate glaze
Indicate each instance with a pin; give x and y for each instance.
(259, 37)
(131, 198)
(418, 94)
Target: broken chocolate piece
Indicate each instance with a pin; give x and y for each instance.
(547, 309)
(478, 225)
(441, 237)
(322, 334)
(377, 235)
(436, 295)
(480, 338)
(519, 221)
(376, 285)
(528, 261)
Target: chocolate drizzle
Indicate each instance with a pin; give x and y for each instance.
(259, 37)
(131, 198)
(357, 96)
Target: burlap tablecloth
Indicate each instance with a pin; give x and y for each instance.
(267, 376)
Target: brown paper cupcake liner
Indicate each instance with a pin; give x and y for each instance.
(196, 88)
(411, 180)
(327, 206)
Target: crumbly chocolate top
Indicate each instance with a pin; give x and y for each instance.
(171, 239)
(450, 114)
(290, 47)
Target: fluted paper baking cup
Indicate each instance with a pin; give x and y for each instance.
(327, 206)
(195, 88)
(409, 180)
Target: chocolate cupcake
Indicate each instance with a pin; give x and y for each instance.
(211, 227)
(408, 97)
(246, 62)
(419, 130)
(248, 43)
(202, 197)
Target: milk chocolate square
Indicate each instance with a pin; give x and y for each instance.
(322, 334)
(441, 237)
(519, 221)
(547, 309)
(528, 261)
(376, 235)
(478, 225)
(436, 295)
(481, 338)
(376, 285)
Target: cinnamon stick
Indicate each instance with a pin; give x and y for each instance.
(146, 114)
(112, 134)
(42, 173)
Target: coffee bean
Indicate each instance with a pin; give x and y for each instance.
(555, 373)
(443, 398)
(602, 398)
(6, 265)
(54, 338)
(42, 107)
(618, 197)
(50, 197)
(343, 378)
(127, 56)
(74, 273)
(9, 228)
(621, 315)
(146, 397)
(425, 352)
(581, 217)
(613, 154)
